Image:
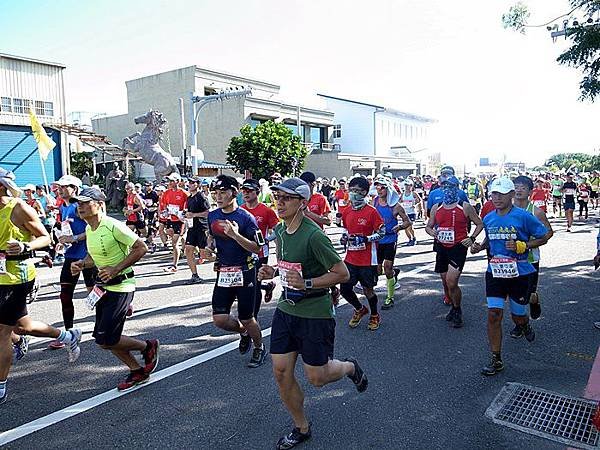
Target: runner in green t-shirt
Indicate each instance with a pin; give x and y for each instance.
(304, 322)
(557, 185)
(113, 248)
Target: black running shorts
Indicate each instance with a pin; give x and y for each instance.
(513, 288)
(312, 338)
(223, 297)
(13, 302)
(111, 312)
(455, 256)
(196, 237)
(365, 275)
(386, 252)
(174, 225)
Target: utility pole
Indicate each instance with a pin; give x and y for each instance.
(183, 143)
(197, 154)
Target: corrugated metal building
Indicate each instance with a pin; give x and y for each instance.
(25, 83)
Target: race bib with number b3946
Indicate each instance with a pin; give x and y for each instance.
(504, 267)
(230, 277)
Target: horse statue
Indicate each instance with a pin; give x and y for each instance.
(147, 145)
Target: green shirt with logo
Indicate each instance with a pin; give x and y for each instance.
(310, 247)
(108, 245)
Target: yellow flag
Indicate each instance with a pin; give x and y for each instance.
(45, 144)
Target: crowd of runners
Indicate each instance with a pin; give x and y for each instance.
(235, 225)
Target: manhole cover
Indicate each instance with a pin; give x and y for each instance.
(546, 414)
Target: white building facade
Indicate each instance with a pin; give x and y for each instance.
(25, 83)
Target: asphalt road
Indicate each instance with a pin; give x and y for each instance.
(425, 388)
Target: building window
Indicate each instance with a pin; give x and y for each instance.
(337, 131)
(48, 109)
(5, 104)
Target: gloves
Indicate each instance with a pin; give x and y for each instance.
(357, 240)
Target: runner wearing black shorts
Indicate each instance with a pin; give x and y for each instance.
(197, 209)
(234, 231)
(304, 322)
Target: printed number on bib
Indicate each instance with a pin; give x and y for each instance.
(65, 228)
(539, 203)
(570, 191)
(173, 210)
(231, 277)
(148, 202)
(445, 235)
(2, 264)
(356, 247)
(94, 297)
(504, 267)
(284, 266)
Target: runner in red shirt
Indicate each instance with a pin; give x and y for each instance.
(363, 226)
(448, 225)
(266, 220)
(539, 195)
(175, 200)
(317, 208)
(134, 210)
(342, 201)
(487, 208)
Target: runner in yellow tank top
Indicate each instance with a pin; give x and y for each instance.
(21, 232)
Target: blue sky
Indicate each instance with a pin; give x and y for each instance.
(494, 92)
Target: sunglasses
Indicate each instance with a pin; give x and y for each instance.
(285, 198)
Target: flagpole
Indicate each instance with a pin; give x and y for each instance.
(44, 173)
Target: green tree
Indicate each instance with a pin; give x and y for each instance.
(268, 148)
(81, 163)
(584, 34)
(580, 161)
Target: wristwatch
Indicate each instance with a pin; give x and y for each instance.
(308, 283)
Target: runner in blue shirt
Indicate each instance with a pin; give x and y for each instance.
(510, 233)
(436, 196)
(234, 231)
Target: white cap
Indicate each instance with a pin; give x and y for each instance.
(7, 178)
(29, 187)
(69, 180)
(503, 185)
(174, 176)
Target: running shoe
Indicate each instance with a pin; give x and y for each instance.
(450, 315)
(170, 269)
(150, 355)
(457, 320)
(258, 357)
(135, 378)
(357, 317)
(374, 322)
(294, 438)
(194, 280)
(496, 365)
(529, 333)
(516, 332)
(20, 348)
(335, 295)
(358, 377)
(73, 349)
(388, 303)
(55, 345)
(535, 310)
(244, 346)
(269, 288)
(359, 289)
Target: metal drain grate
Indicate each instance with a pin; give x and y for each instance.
(546, 414)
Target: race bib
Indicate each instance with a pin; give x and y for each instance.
(569, 191)
(284, 266)
(504, 267)
(94, 297)
(407, 204)
(231, 277)
(164, 214)
(445, 235)
(189, 223)
(2, 264)
(539, 203)
(265, 249)
(148, 202)
(173, 210)
(65, 228)
(356, 247)
(342, 203)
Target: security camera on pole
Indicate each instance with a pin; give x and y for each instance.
(196, 153)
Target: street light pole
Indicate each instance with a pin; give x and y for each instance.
(197, 154)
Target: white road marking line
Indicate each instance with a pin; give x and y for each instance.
(58, 416)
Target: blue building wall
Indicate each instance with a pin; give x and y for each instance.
(18, 152)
